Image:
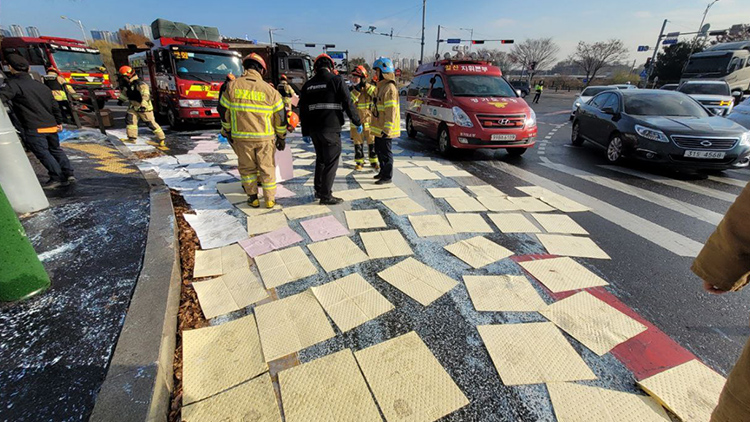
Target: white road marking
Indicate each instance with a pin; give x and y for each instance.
(667, 239)
(681, 184)
(728, 181)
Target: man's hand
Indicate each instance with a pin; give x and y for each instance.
(360, 129)
(141, 109)
(307, 139)
(280, 144)
(711, 288)
(59, 128)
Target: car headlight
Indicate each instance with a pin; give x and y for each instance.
(651, 134)
(191, 103)
(530, 120)
(577, 104)
(745, 139)
(461, 118)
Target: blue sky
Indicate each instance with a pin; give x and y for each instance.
(635, 22)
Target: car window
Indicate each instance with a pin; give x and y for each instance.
(424, 84)
(598, 100)
(437, 88)
(705, 89)
(593, 90)
(413, 89)
(612, 101)
(663, 104)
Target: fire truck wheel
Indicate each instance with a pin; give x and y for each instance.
(174, 122)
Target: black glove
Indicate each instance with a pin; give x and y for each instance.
(280, 144)
(120, 102)
(141, 109)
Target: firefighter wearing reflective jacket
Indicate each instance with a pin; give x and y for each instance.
(386, 123)
(362, 93)
(253, 119)
(61, 91)
(287, 93)
(138, 95)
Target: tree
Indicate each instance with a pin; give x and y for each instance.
(592, 57)
(129, 37)
(105, 50)
(540, 52)
(498, 58)
(358, 61)
(671, 61)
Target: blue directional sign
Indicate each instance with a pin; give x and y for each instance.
(643, 48)
(336, 54)
(453, 40)
(670, 41)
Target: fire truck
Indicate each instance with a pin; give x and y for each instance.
(79, 64)
(280, 59)
(185, 75)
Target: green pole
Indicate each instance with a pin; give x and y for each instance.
(22, 275)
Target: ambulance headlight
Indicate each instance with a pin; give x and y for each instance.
(530, 119)
(461, 118)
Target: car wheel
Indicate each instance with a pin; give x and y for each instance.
(174, 122)
(410, 131)
(614, 149)
(575, 135)
(516, 152)
(444, 142)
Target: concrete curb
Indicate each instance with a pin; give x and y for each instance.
(140, 377)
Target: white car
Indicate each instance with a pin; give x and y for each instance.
(714, 95)
(586, 95)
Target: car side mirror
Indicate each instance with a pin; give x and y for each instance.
(608, 110)
(736, 94)
(518, 92)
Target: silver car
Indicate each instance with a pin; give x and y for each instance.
(586, 95)
(714, 95)
(741, 113)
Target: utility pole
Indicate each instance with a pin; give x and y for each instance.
(653, 56)
(270, 33)
(424, 9)
(437, 48)
(471, 30)
(694, 44)
(80, 25)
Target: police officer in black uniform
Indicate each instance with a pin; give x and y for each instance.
(323, 101)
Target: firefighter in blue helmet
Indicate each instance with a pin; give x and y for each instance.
(386, 123)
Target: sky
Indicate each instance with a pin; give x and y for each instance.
(636, 22)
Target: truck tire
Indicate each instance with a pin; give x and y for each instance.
(174, 122)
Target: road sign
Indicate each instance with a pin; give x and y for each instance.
(643, 48)
(453, 40)
(336, 54)
(673, 35)
(670, 41)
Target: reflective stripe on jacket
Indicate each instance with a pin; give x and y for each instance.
(387, 119)
(254, 109)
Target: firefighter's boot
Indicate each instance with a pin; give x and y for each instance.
(253, 201)
(270, 203)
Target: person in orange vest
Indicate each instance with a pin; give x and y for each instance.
(362, 93)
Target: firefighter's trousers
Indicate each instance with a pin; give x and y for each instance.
(734, 403)
(131, 120)
(256, 161)
(360, 138)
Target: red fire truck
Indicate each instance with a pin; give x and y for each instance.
(80, 65)
(185, 75)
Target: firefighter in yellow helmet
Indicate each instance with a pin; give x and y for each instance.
(287, 93)
(362, 94)
(253, 119)
(138, 95)
(61, 91)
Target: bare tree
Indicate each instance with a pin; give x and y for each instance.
(498, 58)
(541, 52)
(592, 57)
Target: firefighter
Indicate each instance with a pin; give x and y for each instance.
(61, 91)
(362, 94)
(255, 124)
(138, 95)
(323, 101)
(287, 93)
(386, 123)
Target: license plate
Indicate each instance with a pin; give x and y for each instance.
(214, 110)
(499, 137)
(100, 93)
(712, 155)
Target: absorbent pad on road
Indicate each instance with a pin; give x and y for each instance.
(560, 224)
(301, 173)
(219, 357)
(367, 182)
(533, 353)
(503, 293)
(530, 204)
(351, 301)
(337, 253)
(576, 403)
(271, 241)
(364, 219)
(390, 193)
(478, 251)
(408, 381)
(266, 223)
(303, 162)
(553, 199)
(468, 223)
(431, 225)
(352, 194)
(447, 192)
(465, 204)
(385, 244)
(252, 212)
(254, 400)
(215, 228)
(562, 274)
(419, 173)
(291, 324)
(593, 322)
(229, 292)
(302, 211)
(404, 206)
(305, 154)
(564, 245)
(324, 228)
(280, 267)
(418, 281)
(486, 190)
(513, 223)
(215, 262)
(690, 390)
(330, 388)
(454, 173)
(498, 203)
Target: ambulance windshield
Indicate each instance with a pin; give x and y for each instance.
(480, 86)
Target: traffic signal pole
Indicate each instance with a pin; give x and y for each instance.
(424, 10)
(653, 56)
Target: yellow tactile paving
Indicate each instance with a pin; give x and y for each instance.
(330, 388)
(351, 301)
(553, 199)
(503, 293)
(207, 263)
(466, 204)
(232, 291)
(219, 357)
(385, 244)
(284, 266)
(447, 192)
(562, 274)
(266, 223)
(254, 400)
(498, 203)
(291, 324)
(302, 211)
(691, 390)
(352, 194)
(530, 204)
(404, 206)
(408, 381)
(533, 353)
(337, 253)
(478, 251)
(486, 190)
(582, 403)
(431, 225)
(513, 223)
(418, 281)
(364, 219)
(594, 323)
(390, 193)
(419, 173)
(468, 223)
(561, 224)
(583, 247)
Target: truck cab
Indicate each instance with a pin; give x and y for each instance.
(280, 59)
(728, 62)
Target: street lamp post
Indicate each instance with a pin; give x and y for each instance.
(706, 13)
(80, 25)
(471, 30)
(270, 33)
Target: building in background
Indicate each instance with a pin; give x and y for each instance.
(413, 64)
(16, 31)
(4, 32)
(107, 36)
(33, 32)
(144, 30)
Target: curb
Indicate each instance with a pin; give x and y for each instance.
(139, 380)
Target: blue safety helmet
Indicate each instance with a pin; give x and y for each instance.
(384, 64)
(182, 70)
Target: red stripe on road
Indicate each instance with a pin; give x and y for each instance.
(646, 354)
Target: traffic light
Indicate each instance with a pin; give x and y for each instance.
(506, 41)
(477, 41)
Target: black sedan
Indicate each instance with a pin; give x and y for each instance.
(662, 127)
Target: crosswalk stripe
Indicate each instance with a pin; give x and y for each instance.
(646, 195)
(661, 236)
(728, 181)
(680, 184)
